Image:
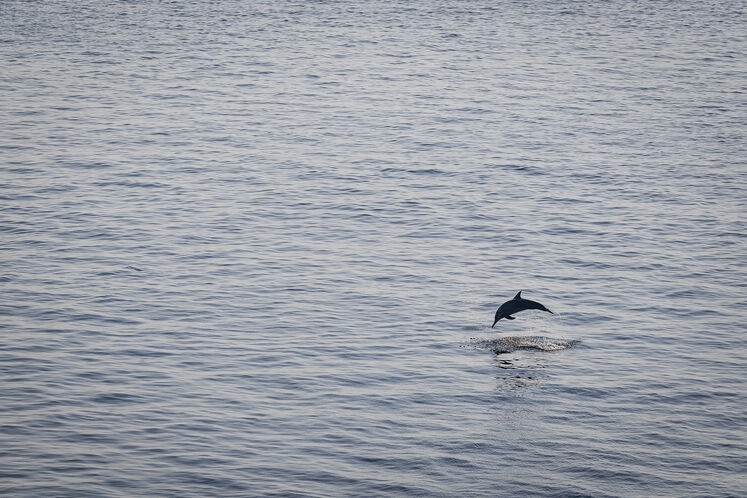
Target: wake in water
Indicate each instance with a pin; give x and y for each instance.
(510, 344)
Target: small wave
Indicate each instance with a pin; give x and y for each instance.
(510, 344)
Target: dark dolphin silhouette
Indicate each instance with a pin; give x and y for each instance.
(514, 306)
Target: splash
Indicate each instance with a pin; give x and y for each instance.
(510, 344)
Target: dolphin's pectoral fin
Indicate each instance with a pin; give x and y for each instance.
(510, 317)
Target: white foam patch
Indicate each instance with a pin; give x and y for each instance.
(509, 344)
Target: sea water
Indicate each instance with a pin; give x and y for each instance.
(255, 248)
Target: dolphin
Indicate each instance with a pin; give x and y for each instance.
(514, 306)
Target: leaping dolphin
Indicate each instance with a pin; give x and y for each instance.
(514, 306)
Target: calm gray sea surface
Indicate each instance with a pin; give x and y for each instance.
(255, 248)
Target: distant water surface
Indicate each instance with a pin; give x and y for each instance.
(255, 248)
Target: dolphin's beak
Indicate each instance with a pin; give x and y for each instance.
(494, 324)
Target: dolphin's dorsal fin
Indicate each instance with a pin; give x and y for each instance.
(518, 295)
